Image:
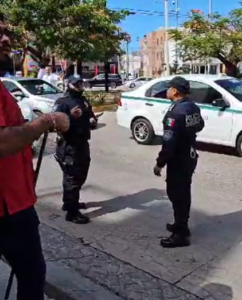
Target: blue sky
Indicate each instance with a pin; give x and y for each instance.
(140, 24)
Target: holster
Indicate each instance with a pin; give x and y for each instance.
(61, 160)
(59, 140)
(61, 163)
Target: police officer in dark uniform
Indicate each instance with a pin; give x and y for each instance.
(72, 151)
(181, 123)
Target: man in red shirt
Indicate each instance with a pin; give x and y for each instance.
(19, 234)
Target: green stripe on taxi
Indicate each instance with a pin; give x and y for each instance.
(164, 101)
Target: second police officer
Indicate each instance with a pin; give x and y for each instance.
(72, 151)
(181, 123)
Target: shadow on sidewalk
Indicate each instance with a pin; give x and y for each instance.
(217, 291)
(213, 236)
(134, 201)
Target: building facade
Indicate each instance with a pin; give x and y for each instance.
(153, 57)
(152, 53)
(130, 64)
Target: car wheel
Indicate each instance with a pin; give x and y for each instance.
(113, 85)
(238, 146)
(132, 85)
(142, 131)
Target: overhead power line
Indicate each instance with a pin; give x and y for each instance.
(146, 12)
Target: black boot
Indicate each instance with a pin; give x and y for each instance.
(174, 241)
(81, 205)
(173, 229)
(76, 217)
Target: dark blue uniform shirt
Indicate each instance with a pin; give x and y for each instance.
(181, 123)
(80, 128)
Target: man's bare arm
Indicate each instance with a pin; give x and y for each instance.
(14, 139)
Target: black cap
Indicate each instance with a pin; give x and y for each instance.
(74, 80)
(181, 84)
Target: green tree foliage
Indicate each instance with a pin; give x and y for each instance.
(88, 31)
(203, 38)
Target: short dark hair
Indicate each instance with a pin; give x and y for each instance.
(180, 84)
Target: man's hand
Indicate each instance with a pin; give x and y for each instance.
(93, 121)
(61, 120)
(76, 112)
(16, 138)
(157, 171)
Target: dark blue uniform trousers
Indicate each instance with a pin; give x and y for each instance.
(178, 185)
(77, 162)
(21, 246)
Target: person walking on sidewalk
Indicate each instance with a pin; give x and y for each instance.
(182, 122)
(19, 234)
(73, 151)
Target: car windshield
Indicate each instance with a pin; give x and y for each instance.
(38, 87)
(233, 86)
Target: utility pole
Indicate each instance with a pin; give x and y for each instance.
(127, 59)
(177, 25)
(167, 63)
(210, 13)
(210, 9)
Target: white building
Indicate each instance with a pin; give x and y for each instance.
(131, 64)
(173, 57)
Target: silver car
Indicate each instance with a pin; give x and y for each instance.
(29, 115)
(37, 93)
(137, 82)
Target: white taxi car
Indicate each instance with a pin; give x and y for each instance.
(218, 96)
(37, 93)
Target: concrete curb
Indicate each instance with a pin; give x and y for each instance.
(63, 283)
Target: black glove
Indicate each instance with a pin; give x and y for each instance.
(157, 171)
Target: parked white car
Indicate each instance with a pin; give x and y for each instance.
(137, 82)
(28, 115)
(219, 97)
(37, 93)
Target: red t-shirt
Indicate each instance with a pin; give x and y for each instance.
(16, 171)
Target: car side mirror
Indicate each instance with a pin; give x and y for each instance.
(220, 103)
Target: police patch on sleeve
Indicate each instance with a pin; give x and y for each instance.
(168, 134)
(170, 122)
(193, 120)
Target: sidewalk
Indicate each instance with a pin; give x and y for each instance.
(63, 282)
(4, 275)
(77, 271)
(80, 272)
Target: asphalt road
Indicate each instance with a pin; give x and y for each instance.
(129, 210)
